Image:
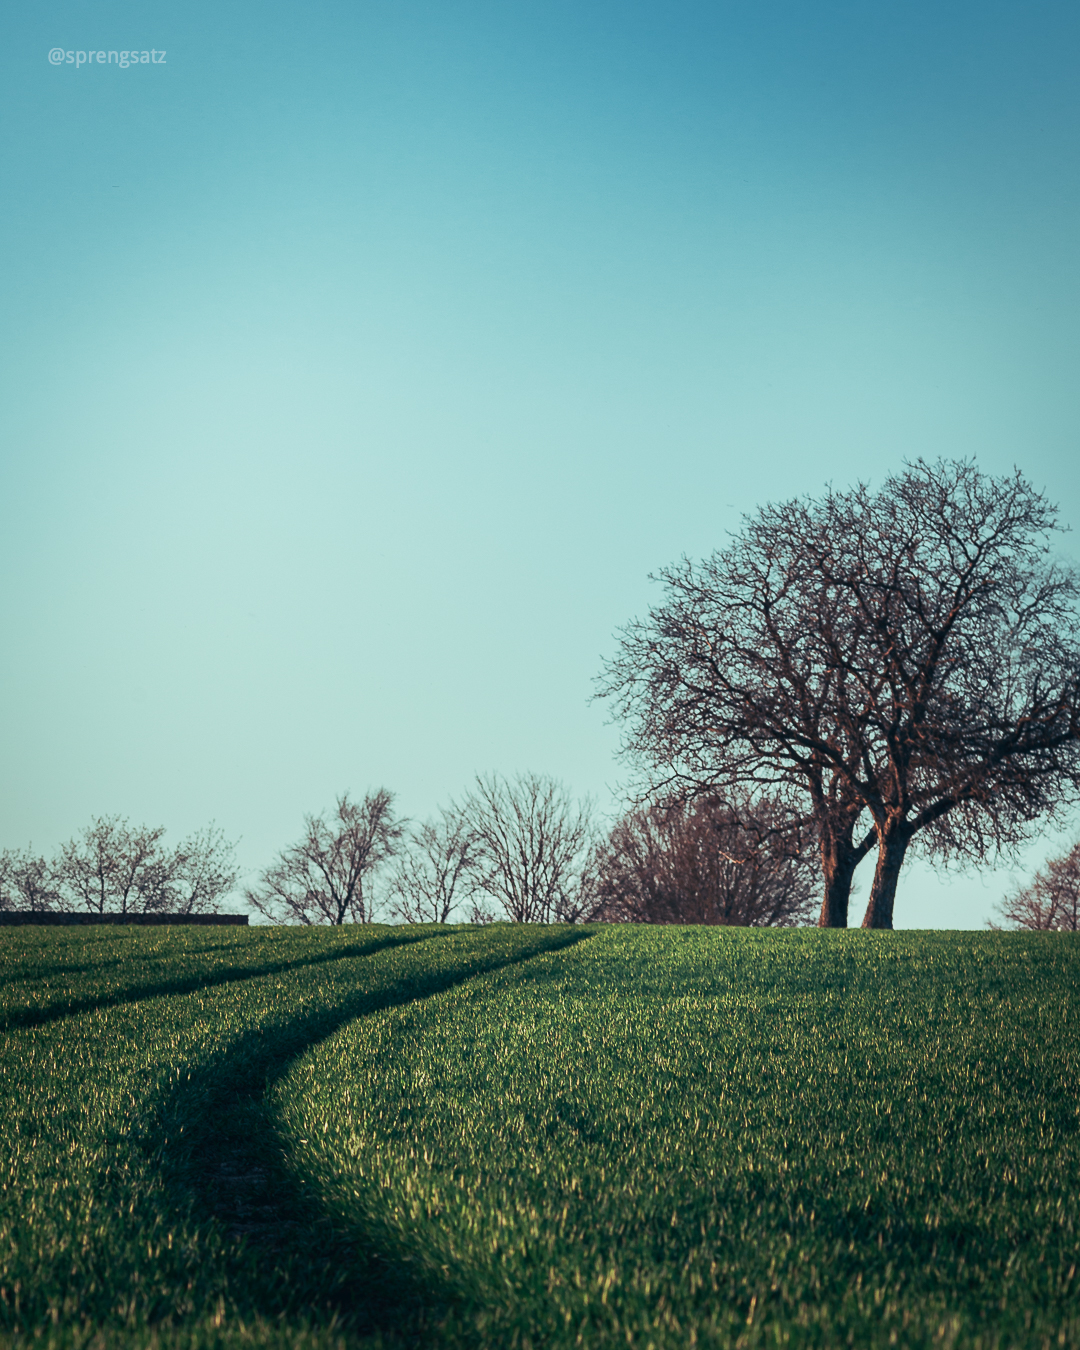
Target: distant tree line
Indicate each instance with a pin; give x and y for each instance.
(523, 850)
(113, 867)
(519, 849)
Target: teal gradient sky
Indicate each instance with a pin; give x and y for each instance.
(360, 362)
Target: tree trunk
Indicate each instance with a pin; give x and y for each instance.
(838, 863)
(892, 846)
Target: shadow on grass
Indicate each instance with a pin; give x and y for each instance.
(136, 993)
(223, 1162)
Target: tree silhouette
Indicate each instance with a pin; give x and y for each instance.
(888, 665)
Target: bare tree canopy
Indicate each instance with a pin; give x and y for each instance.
(533, 846)
(322, 878)
(704, 862)
(27, 881)
(1051, 901)
(892, 665)
(115, 867)
(202, 872)
(434, 870)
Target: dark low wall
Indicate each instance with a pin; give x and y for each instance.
(21, 916)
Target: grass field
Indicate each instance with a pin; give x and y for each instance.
(539, 1137)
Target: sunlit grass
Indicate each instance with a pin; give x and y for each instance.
(541, 1137)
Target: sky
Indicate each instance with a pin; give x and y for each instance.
(360, 361)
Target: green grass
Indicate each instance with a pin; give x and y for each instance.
(539, 1137)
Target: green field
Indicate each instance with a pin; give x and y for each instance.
(539, 1137)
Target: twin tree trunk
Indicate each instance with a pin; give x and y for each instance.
(839, 858)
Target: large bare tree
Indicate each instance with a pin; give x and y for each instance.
(322, 878)
(1051, 901)
(533, 846)
(894, 664)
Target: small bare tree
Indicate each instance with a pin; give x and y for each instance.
(321, 879)
(27, 881)
(532, 847)
(1051, 901)
(434, 871)
(114, 867)
(705, 862)
(202, 871)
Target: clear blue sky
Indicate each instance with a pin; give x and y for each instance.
(360, 361)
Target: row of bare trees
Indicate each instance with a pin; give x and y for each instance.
(113, 867)
(518, 849)
(524, 850)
